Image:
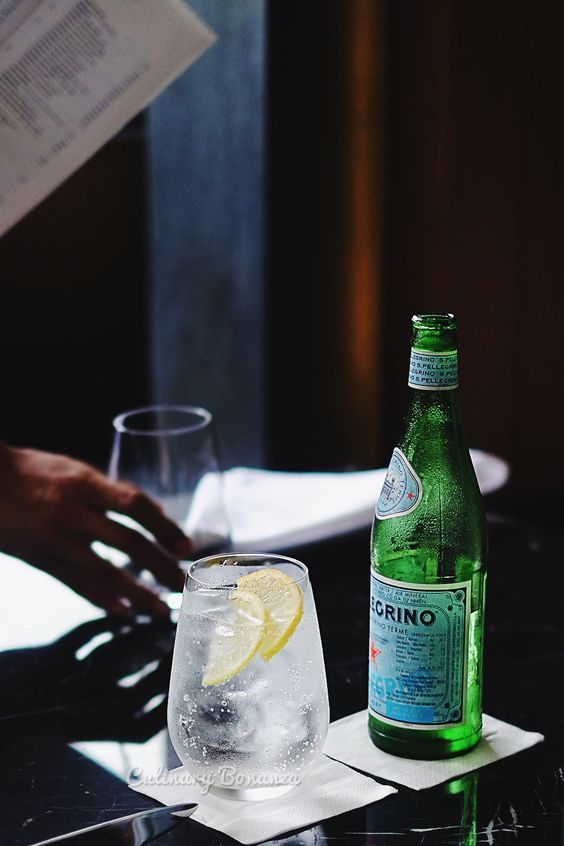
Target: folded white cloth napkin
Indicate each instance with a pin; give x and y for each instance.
(348, 741)
(270, 510)
(328, 789)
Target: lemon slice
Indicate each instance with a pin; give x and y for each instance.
(235, 640)
(282, 600)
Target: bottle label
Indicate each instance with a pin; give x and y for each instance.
(437, 371)
(401, 491)
(417, 659)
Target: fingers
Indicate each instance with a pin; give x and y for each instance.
(110, 588)
(130, 500)
(141, 508)
(142, 552)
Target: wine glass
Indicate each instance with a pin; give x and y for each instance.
(170, 452)
(248, 707)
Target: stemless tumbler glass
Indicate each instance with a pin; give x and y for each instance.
(170, 452)
(248, 709)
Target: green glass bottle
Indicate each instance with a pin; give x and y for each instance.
(428, 575)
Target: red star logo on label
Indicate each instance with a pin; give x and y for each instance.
(410, 495)
(374, 652)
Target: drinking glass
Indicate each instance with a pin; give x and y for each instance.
(248, 708)
(170, 452)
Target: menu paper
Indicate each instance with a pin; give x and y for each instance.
(72, 74)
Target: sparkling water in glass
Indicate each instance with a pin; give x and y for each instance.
(249, 727)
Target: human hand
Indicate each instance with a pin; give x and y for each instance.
(52, 508)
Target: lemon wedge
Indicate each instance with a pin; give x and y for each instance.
(282, 600)
(235, 640)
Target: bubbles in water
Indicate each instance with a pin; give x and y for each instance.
(271, 718)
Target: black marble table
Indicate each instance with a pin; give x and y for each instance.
(83, 701)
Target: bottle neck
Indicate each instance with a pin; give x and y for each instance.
(433, 380)
(433, 371)
(434, 416)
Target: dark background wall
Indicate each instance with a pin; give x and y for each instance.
(356, 161)
(73, 322)
(467, 217)
(327, 130)
(476, 212)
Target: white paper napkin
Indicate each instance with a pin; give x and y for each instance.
(328, 789)
(348, 741)
(270, 510)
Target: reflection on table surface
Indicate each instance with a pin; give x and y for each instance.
(83, 703)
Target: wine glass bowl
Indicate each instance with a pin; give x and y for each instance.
(170, 452)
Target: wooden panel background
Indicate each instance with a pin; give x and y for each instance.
(476, 212)
(325, 189)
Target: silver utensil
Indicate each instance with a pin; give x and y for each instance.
(133, 830)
